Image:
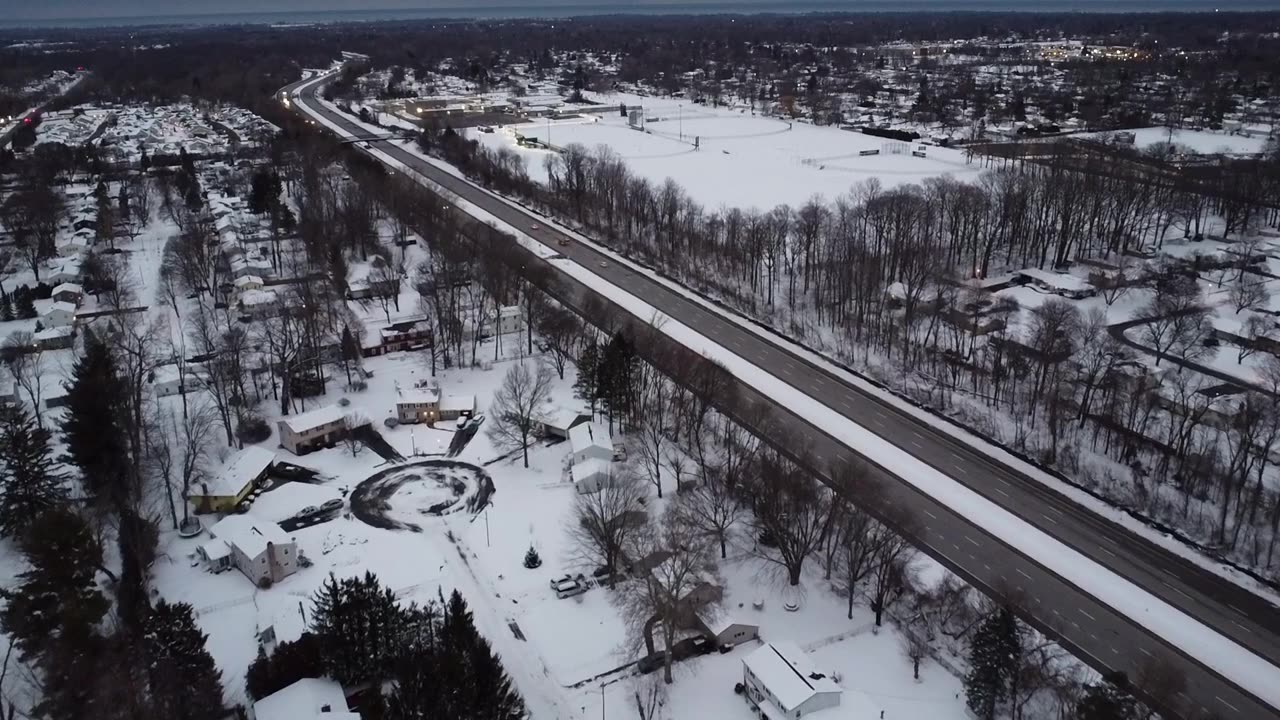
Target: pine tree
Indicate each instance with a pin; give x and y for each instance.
(359, 628)
(1111, 699)
(532, 559)
(25, 303)
(58, 596)
(6, 308)
(32, 484)
(95, 437)
(287, 664)
(991, 663)
(588, 372)
(182, 675)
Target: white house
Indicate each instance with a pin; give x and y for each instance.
(166, 380)
(68, 271)
(590, 440)
(300, 434)
(248, 282)
(420, 405)
(59, 314)
(74, 246)
(260, 550)
(510, 319)
(306, 699)
(68, 292)
(591, 475)
(782, 682)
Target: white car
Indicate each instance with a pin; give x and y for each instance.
(534, 226)
(568, 586)
(462, 423)
(307, 511)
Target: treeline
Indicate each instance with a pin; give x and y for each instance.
(881, 277)
(431, 657)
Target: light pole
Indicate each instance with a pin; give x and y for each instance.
(680, 116)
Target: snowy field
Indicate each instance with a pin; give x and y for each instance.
(743, 160)
(1201, 141)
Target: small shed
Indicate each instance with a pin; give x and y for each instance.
(728, 631)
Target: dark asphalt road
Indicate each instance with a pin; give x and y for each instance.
(1091, 630)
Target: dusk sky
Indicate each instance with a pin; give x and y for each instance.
(63, 9)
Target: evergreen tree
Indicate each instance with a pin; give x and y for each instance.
(6, 308)
(32, 484)
(182, 675)
(616, 375)
(95, 438)
(359, 628)
(287, 664)
(1111, 699)
(532, 559)
(992, 658)
(25, 302)
(588, 372)
(58, 597)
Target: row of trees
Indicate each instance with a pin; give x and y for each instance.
(881, 279)
(431, 656)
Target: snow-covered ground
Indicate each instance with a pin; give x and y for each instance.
(1200, 141)
(742, 160)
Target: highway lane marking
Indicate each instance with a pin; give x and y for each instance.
(1176, 590)
(1146, 652)
(1001, 492)
(1233, 607)
(917, 445)
(1083, 612)
(960, 470)
(975, 542)
(988, 567)
(1022, 573)
(1233, 622)
(1224, 702)
(1107, 551)
(926, 512)
(1115, 651)
(957, 457)
(1046, 517)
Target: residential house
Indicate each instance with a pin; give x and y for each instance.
(56, 338)
(1063, 284)
(782, 682)
(59, 314)
(509, 320)
(323, 427)
(259, 303)
(259, 549)
(591, 458)
(728, 631)
(167, 380)
(453, 407)
(247, 282)
(404, 335)
(75, 246)
(242, 472)
(559, 423)
(306, 699)
(421, 405)
(69, 270)
(68, 293)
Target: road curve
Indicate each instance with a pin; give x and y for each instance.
(1091, 630)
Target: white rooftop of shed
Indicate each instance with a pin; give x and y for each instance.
(306, 699)
(588, 435)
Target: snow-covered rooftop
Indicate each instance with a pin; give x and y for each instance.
(420, 396)
(589, 435)
(1058, 281)
(240, 468)
(458, 403)
(313, 419)
(248, 534)
(788, 673)
(307, 699)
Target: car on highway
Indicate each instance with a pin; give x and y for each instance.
(534, 227)
(604, 264)
(563, 242)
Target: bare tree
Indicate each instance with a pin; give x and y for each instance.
(891, 573)
(790, 512)
(711, 508)
(178, 452)
(603, 521)
(650, 695)
(351, 423)
(560, 332)
(675, 583)
(1248, 293)
(519, 407)
(651, 434)
(24, 358)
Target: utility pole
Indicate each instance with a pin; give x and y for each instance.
(680, 115)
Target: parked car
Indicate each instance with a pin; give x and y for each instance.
(462, 423)
(331, 505)
(568, 586)
(307, 511)
(649, 663)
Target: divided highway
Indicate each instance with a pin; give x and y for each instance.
(1092, 630)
